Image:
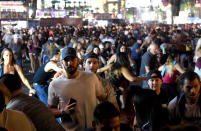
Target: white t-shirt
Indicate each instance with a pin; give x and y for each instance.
(84, 89)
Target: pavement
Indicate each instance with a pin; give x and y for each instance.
(28, 75)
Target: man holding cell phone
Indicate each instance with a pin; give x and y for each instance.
(74, 92)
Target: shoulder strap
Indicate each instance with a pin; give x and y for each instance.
(1, 69)
(174, 62)
(164, 71)
(15, 66)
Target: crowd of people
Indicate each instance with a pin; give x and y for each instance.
(133, 77)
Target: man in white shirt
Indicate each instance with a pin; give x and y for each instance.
(83, 87)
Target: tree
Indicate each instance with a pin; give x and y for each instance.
(188, 5)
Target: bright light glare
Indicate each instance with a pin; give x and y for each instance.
(30, 12)
(137, 3)
(102, 23)
(148, 16)
(119, 16)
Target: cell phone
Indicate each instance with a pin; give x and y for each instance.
(72, 101)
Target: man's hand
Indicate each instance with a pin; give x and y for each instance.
(59, 73)
(70, 107)
(32, 91)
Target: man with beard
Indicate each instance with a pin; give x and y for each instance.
(186, 108)
(74, 92)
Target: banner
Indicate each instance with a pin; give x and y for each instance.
(7, 15)
(52, 21)
(62, 21)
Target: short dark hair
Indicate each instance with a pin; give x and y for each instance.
(12, 82)
(151, 72)
(105, 110)
(189, 75)
(90, 55)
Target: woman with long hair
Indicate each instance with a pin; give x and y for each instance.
(9, 66)
(31, 50)
(121, 48)
(119, 74)
(120, 68)
(170, 71)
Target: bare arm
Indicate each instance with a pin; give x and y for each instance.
(103, 60)
(147, 69)
(161, 67)
(130, 60)
(112, 59)
(23, 78)
(52, 66)
(105, 68)
(55, 111)
(101, 97)
(138, 50)
(128, 75)
(142, 46)
(179, 68)
(41, 56)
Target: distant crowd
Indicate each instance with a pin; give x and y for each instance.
(136, 77)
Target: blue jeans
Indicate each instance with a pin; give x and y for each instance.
(144, 82)
(45, 59)
(42, 92)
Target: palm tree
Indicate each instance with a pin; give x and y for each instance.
(43, 4)
(188, 5)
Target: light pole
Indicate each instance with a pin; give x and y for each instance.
(74, 2)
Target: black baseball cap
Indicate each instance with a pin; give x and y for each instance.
(154, 74)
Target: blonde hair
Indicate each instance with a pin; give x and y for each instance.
(197, 49)
(171, 67)
(50, 48)
(170, 61)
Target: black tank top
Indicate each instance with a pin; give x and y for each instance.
(41, 77)
(1, 72)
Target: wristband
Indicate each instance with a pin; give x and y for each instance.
(30, 94)
(63, 112)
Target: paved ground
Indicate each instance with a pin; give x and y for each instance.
(26, 68)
